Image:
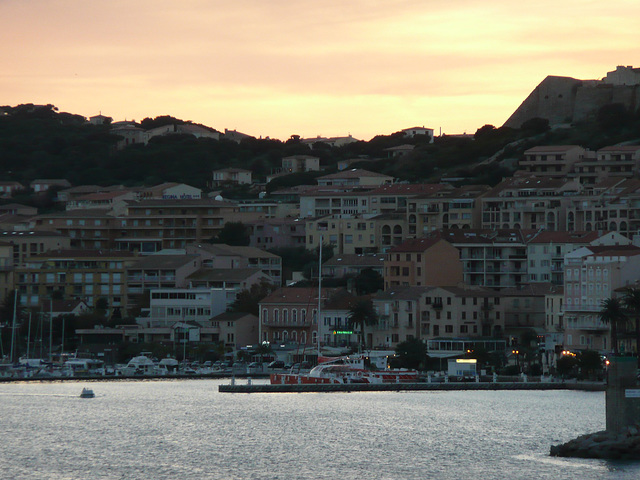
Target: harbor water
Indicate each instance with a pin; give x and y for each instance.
(186, 429)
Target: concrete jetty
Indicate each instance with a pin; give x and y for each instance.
(621, 439)
(406, 387)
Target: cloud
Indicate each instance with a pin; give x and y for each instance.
(400, 57)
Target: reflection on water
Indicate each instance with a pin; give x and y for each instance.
(186, 429)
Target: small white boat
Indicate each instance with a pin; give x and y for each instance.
(87, 393)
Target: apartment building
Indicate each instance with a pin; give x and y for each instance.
(612, 204)
(300, 163)
(613, 161)
(325, 201)
(546, 251)
(423, 262)
(399, 313)
(153, 225)
(355, 177)
(491, 258)
(289, 315)
(170, 305)
(232, 176)
(334, 328)
(33, 242)
(224, 256)
(357, 235)
(353, 264)
(447, 208)
(270, 233)
(592, 274)
(528, 202)
(554, 161)
(161, 270)
(395, 198)
(461, 312)
(90, 229)
(86, 275)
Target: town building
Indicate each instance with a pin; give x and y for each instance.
(554, 161)
(232, 176)
(423, 262)
(592, 274)
(300, 163)
(271, 233)
(75, 274)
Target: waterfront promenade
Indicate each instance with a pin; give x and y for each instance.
(250, 387)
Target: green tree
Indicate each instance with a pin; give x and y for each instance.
(263, 349)
(368, 281)
(362, 315)
(412, 354)
(234, 233)
(612, 313)
(631, 300)
(589, 362)
(248, 300)
(566, 364)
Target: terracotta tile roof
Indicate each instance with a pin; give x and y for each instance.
(551, 148)
(533, 290)
(401, 293)
(566, 237)
(70, 254)
(352, 173)
(223, 274)
(487, 236)
(416, 245)
(409, 189)
(614, 250)
(373, 260)
(298, 295)
(620, 148)
(163, 261)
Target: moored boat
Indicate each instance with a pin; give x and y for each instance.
(345, 370)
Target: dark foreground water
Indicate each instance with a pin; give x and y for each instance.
(187, 430)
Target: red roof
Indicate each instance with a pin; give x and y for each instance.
(416, 245)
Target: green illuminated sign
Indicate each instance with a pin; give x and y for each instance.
(343, 332)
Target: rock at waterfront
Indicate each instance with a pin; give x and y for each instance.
(623, 445)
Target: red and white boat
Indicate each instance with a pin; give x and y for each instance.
(345, 370)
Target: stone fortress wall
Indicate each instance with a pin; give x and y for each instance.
(564, 100)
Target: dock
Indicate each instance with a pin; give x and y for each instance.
(408, 387)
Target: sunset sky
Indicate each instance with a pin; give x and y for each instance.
(325, 67)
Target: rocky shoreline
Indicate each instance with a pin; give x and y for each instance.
(623, 445)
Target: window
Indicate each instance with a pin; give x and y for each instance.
(448, 328)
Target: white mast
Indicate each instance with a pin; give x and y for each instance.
(13, 326)
(319, 297)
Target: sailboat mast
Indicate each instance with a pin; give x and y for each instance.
(319, 296)
(13, 326)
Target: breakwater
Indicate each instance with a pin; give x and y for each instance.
(405, 387)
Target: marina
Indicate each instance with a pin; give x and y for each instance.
(166, 429)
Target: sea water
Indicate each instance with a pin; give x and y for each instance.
(186, 429)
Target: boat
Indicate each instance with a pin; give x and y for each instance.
(345, 370)
(87, 393)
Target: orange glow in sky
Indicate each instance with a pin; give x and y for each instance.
(325, 67)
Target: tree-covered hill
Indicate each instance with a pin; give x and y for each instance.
(41, 142)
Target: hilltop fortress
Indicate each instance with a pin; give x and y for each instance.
(566, 100)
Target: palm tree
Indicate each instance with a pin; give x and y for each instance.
(631, 300)
(361, 315)
(612, 313)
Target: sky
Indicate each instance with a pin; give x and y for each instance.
(326, 67)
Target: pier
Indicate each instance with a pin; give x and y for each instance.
(407, 387)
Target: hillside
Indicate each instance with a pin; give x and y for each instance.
(40, 142)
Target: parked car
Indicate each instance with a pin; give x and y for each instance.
(276, 364)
